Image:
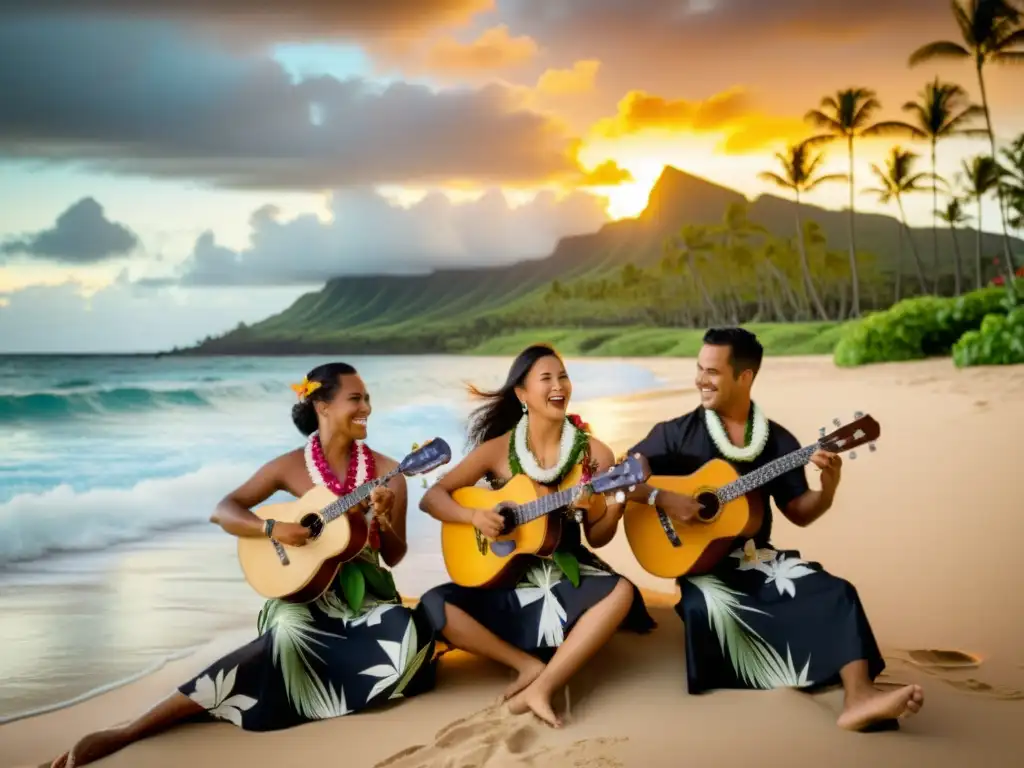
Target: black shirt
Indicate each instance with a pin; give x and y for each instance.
(683, 445)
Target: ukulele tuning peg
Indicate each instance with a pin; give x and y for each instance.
(858, 414)
(837, 422)
(853, 455)
(632, 488)
(872, 447)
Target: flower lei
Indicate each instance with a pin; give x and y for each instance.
(361, 468)
(574, 448)
(521, 460)
(754, 441)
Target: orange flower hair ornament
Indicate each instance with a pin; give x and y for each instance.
(305, 388)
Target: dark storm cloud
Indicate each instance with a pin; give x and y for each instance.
(81, 235)
(144, 97)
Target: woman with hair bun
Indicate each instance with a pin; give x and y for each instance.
(317, 660)
(524, 428)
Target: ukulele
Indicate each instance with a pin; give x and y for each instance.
(667, 548)
(532, 526)
(338, 531)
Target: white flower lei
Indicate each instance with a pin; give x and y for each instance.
(758, 436)
(362, 468)
(528, 461)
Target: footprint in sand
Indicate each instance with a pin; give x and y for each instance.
(943, 659)
(494, 737)
(939, 663)
(470, 742)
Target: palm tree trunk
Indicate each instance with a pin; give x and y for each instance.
(935, 220)
(1011, 268)
(913, 249)
(854, 277)
(899, 266)
(977, 252)
(812, 292)
(957, 274)
(712, 309)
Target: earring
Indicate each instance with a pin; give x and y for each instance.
(523, 404)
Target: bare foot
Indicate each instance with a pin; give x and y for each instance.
(527, 675)
(93, 747)
(874, 705)
(538, 702)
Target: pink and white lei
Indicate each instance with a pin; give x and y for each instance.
(361, 468)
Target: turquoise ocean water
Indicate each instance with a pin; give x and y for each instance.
(110, 466)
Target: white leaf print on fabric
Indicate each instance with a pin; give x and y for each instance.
(214, 696)
(782, 571)
(539, 584)
(336, 608)
(754, 661)
(403, 660)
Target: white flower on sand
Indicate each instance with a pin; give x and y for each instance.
(783, 571)
(404, 661)
(213, 696)
(539, 584)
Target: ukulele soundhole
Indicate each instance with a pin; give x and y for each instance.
(508, 514)
(314, 523)
(709, 506)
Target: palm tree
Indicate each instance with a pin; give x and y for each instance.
(981, 175)
(898, 179)
(1013, 183)
(942, 111)
(990, 29)
(954, 215)
(799, 166)
(847, 115)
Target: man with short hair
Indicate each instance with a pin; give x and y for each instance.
(764, 618)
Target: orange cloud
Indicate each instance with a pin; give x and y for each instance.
(607, 174)
(579, 78)
(495, 49)
(730, 112)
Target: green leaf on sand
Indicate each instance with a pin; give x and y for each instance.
(569, 565)
(353, 585)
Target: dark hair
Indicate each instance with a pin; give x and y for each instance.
(328, 376)
(501, 409)
(745, 351)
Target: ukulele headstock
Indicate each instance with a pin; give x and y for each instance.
(426, 458)
(627, 473)
(862, 430)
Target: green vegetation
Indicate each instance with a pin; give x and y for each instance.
(780, 339)
(913, 329)
(999, 341)
(701, 254)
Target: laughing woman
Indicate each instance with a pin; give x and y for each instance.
(353, 648)
(523, 428)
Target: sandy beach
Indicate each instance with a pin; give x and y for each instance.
(928, 528)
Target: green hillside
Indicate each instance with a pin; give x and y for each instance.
(617, 280)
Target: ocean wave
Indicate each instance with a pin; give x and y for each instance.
(34, 525)
(78, 399)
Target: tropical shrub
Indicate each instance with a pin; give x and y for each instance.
(999, 341)
(925, 326)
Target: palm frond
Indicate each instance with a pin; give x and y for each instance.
(819, 119)
(826, 179)
(894, 128)
(1009, 57)
(942, 49)
(776, 179)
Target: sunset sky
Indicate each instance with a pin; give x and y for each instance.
(169, 168)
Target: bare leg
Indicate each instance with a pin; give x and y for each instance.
(167, 713)
(593, 630)
(465, 632)
(866, 705)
